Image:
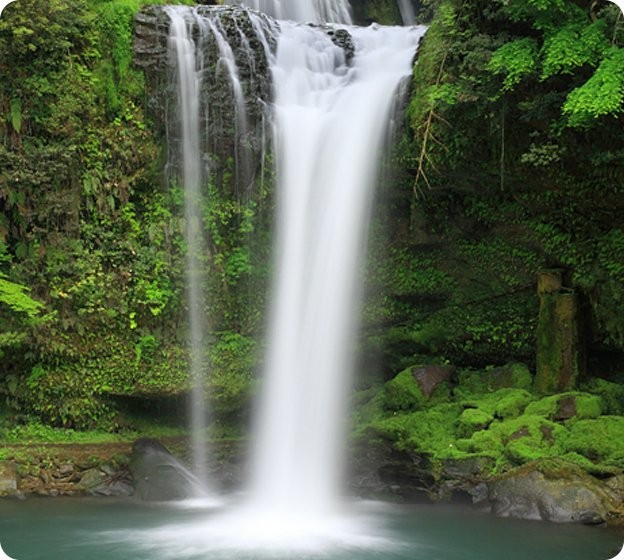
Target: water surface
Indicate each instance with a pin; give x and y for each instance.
(109, 529)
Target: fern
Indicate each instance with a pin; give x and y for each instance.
(601, 95)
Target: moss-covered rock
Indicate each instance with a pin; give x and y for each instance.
(600, 440)
(565, 406)
(504, 403)
(417, 386)
(472, 420)
(612, 394)
(477, 382)
(516, 440)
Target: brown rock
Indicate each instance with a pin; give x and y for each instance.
(429, 377)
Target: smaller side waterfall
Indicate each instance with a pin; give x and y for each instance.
(187, 58)
(211, 117)
(407, 12)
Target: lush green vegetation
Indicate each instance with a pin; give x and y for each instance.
(509, 162)
(91, 249)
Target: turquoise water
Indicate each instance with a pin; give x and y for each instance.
(107, 529)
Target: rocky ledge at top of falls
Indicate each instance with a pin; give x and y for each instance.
(249, 37)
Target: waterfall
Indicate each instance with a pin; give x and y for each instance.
(333, 89)
(407, 12)
(188, 60)
(330, 120)
(309, 11)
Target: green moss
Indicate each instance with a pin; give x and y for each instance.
(612, 395)
(504, 403)
(587, 406)
(403, 393)
(472, 420)
(601, 440)
(519, 439)
(431, 431)
(476, 382)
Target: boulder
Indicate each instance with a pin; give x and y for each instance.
(551, 490)
(8, 478)
(158, 475)
(431, 376)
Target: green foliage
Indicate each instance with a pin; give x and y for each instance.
(572, 46)
(602, 95)
(233, 362)
(515, 60)
(14, 296)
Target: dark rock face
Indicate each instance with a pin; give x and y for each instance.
(158, 475)
(379, 471)
(224, 137)
(235, 134)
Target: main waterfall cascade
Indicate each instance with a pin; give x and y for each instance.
(312, 11)
(333, 89)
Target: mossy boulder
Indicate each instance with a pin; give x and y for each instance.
(518, 440)
(612, 395)
(472, 420)
(477, 382)
(504, 403)
(565, 406)
(417, 386)
(552, 490)
(601, 440)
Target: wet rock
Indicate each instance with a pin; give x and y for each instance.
(343, 39)
(551, 490)
(379, 471)
(467, 468)
(429, 377)
(91, 479)
(223, 132)
(8, 478)
(158, 475)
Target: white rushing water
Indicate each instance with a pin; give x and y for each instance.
(330, 123)
(312, 11)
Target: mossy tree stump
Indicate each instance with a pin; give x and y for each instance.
(558, 353)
